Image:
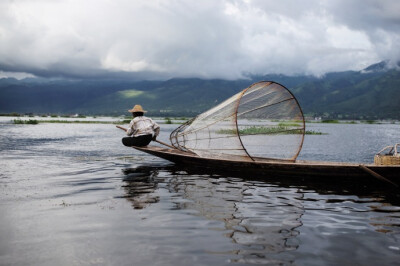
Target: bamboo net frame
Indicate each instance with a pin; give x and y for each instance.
(264, 121)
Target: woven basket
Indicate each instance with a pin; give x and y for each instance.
(386, 160)
(392, 158)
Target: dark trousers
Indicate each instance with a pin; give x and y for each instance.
(138, 141)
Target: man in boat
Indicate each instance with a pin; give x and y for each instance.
(142, 130)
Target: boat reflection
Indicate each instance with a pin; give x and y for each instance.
(262, 217)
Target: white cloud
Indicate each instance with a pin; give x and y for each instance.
(210, 39)
(16, 75)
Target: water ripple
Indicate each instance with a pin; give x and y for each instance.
(74, 194)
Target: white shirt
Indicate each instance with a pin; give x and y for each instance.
(142, 125)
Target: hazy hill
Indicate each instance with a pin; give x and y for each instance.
(353, 95)
(372, 93)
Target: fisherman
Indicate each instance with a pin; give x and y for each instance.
(142, 130)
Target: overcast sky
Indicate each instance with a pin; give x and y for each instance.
(228, 39)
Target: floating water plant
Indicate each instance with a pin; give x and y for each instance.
(30, 121)
(279, 129)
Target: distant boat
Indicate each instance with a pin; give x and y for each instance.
(259, 131)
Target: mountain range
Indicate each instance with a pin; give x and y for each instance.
(372, 93)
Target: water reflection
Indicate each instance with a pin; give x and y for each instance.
(339, 195)
(140, 186)
(263, 219)
(59, 203)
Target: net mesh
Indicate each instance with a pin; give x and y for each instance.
(262, 122)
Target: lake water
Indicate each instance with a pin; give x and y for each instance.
(72, 194)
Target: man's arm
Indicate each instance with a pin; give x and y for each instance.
(130, 130)
(124, 129)
(156, 129)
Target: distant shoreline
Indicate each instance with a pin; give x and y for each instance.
(23, 119)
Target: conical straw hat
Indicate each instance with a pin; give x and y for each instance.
(137, 109)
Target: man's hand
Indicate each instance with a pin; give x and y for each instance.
(122, 128)
(154, 138)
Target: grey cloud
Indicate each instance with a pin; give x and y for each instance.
(209, 39)
(379, 20)
(367, 15)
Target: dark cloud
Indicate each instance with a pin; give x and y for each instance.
(208, 39)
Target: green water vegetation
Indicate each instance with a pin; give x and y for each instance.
(35, 122)
(351, 122)
(56, 121)
(312, 132)
(30, 121)
(330, 121)
(79, 122)
(177, 120)
(333, 121)
(289, 124)
(275, 130)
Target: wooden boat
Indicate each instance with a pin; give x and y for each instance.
(259, 132)
(275, 168)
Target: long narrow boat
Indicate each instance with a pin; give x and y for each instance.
(260, 132)
(264, 168)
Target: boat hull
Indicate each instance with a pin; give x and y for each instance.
(275, 167)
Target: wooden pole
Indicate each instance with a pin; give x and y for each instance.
(376, 175)
(165, 144)
(162, 143)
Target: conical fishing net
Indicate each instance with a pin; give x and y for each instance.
(262, 122)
